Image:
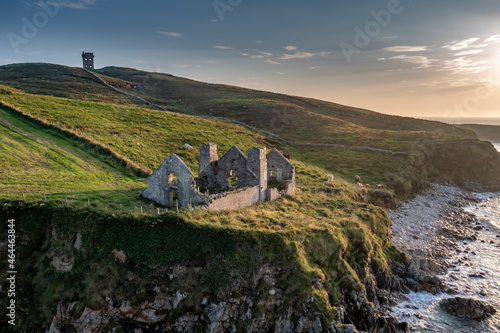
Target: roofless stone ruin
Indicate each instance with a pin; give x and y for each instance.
(234, 181)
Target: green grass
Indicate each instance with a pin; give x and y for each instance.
(144, 136)
(39, 165)
(60, 81)
(294, 118)
(319, 233)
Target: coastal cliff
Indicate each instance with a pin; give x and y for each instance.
(104, 273)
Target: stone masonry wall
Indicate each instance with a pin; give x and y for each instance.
(236, 200)
(277, 162)
(215, 176)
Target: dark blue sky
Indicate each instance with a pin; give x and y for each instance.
(428, 58)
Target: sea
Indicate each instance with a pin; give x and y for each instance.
(469, 120)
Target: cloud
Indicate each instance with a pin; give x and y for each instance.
(313, 67)
(269, 61)
(267, 54)
(302, 55)
(187, 66)
(220, 47)
(405, 48)
(463, 65)
(494, 38)
(258, 42)
(280, 73)
(170, 34)
(381, 59)
(290, 48)
(468, 52)
(252, 56)
(460, 44)
(82, 4)
(421, 61)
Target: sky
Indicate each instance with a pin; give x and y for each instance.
(424, 59)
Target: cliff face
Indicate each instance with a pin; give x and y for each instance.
(82, 270)
(470, 163)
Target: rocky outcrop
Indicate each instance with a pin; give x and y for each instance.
(249, 310)
(214, 317)
(467, 307)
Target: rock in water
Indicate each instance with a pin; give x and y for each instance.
(468, 307)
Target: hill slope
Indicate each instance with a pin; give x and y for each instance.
(259, 108)
(60, 81)
(298, 120)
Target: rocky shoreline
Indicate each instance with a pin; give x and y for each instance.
(434, 230)
(431, 225)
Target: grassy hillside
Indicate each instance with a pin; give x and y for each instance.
(145, 136)
(49, 162)
(244, 104)
(295, 119)
(38, 164)
(60, 81)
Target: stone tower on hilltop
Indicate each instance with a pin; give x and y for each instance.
(88, 60)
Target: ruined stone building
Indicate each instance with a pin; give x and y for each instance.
(88, 60)
(232, 182)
